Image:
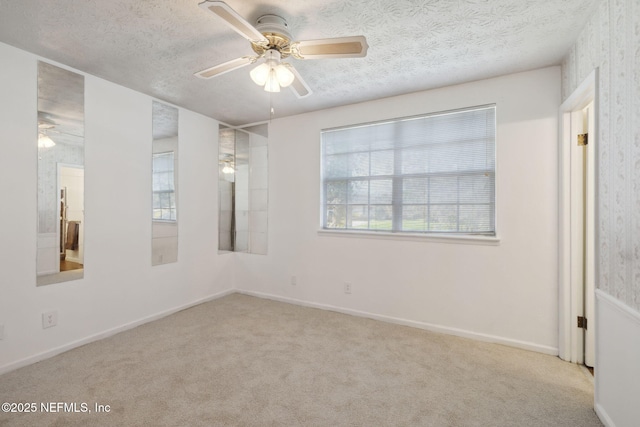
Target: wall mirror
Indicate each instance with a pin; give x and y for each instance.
(60, 241)
(242, 190)
(164, 175)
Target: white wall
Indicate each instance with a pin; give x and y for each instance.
(610, 43)
(120, 288)
(505, 293)
(617, 368)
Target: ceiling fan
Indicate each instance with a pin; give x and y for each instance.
(272, 42)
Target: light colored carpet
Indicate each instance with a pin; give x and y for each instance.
(245, 361)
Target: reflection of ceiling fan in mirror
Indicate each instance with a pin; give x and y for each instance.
(45, 124)
(59, 127)
(271, 41)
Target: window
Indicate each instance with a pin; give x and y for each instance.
(164, 198)
(427, 174)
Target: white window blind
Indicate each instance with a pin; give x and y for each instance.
(428, 174)
(164, 198)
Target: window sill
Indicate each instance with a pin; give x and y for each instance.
(449, 238)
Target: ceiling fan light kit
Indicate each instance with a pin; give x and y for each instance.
(272, 74)
(270, 40)
(45, 124)
(44, 141)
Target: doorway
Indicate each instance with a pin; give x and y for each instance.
(71, 215)
(577, 205)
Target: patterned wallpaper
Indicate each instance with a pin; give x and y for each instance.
(611, 42)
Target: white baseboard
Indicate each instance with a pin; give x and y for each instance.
(617, 353)
(421, 325)
(604, 417)
(101, 335)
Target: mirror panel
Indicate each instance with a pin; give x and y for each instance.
(243, 191)
(258, 194)
(241, 194)
(164, 177)
(226, 190)
(60, 245)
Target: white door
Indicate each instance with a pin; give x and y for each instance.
(583, 230)
(589, 236)
(577, 212)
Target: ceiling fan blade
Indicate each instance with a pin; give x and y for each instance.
(299, 86)
(234, 20)
(340, 47)
(225, 67)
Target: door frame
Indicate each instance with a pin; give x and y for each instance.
(571, 298)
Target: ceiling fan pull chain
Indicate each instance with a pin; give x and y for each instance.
(271, 110)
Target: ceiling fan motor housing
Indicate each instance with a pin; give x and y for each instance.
(276, 30)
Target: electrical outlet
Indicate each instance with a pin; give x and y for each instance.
(49, 319)
(294, 280)
(347, 287)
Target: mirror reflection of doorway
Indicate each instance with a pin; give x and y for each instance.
(71, 214)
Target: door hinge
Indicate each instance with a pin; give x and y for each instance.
(583, 139)
(582, 322)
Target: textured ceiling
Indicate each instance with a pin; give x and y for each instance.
(155, 46)
(165, 121)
